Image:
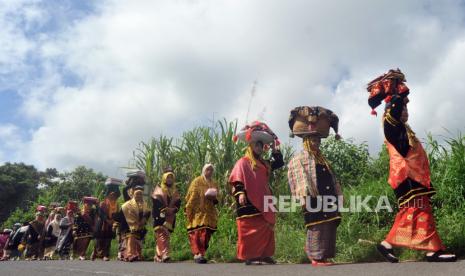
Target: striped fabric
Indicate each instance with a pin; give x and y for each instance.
(301, 175)
(321, 241)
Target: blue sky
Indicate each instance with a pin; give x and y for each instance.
(55, 18)
(82, 84)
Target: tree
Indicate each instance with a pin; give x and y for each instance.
(76, 184)
(18, 187)
(349, 161)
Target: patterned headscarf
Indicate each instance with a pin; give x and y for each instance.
(169, 190)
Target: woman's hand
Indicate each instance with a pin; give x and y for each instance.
(242, 199)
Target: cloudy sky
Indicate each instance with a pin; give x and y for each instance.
(82, 82)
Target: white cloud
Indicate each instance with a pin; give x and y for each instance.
(14, 44)
(151, 67)
(439, 107)
(10, 140)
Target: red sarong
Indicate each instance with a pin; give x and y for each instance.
(162, 245)
(255, 238)
(199, 240)
(132, 249)
(414, 227)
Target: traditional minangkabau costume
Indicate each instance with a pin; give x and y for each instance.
(134, 178)
(135, 215)
(16, 243)
(4, 236)
(250, 177)
(409, 173)
(42, 209)
(84, 227)
(166, 202)
(11, 246)
(201, 213)
(106, 212)
(311, 179)
(65, 238)
(52, 211)
(52, 232)
(33, 238)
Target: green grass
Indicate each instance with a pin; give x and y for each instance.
(359, 174)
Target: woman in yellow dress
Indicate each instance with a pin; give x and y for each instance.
(201, 212)
(136, 213)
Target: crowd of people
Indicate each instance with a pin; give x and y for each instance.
(66, 232)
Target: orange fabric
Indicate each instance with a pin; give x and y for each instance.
(415, 166)
(255, 238)
(162, 244)
(414, 227)
(199, 240)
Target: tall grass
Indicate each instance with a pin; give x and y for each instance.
(359, 174)
(448, 177)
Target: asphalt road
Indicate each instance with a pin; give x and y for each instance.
(100, 268)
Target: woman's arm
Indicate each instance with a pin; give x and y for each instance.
(394, 130)
(277, 160)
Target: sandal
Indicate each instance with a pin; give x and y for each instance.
(388, 254)
(441, 256)
(201, 260)
(268, 260)
(254, 261)
(321, 263)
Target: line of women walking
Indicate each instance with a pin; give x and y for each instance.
(310, 178)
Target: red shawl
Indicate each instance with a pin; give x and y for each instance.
(255, 184)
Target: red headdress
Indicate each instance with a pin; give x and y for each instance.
(41, 208)
(73, 206)
(385, 86)
(257, 131)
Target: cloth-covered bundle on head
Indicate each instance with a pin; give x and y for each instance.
(257, 131)
(312, 121)
(72, 205)
(385, 86)
(90, 200)
(135, 177)
(136, 173)
(112, 186)
(41, 208)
